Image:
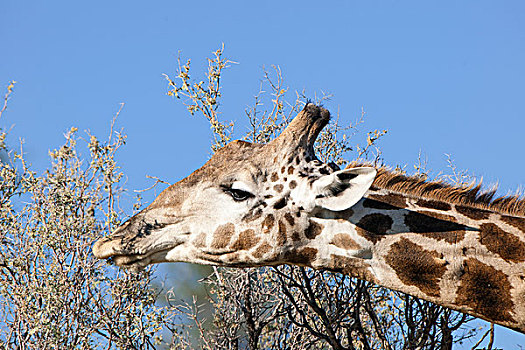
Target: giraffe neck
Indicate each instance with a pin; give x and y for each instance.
(465, 258)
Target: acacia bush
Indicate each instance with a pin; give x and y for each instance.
(55, 295)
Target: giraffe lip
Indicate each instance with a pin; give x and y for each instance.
(113, 251)
(138, 262)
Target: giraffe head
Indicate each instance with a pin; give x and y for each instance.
(249, 205)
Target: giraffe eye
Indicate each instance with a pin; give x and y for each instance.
(237, 194)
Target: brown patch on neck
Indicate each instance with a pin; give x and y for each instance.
(344, 241)
(473, 213)
(314, 229)
(518, 223)
(433, 204)
(388, 202)
(435, 225)
(416, 266)
(374, 226)
(343, 214)
(222, 236)
(486, 291)
(351, 266)
(502, 243)
(301, 256)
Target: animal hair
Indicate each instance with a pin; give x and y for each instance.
(472, 195)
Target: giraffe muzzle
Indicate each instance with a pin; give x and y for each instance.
(113, 251)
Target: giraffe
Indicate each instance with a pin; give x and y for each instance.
(261, 205)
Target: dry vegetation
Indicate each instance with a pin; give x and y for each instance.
(55, 295)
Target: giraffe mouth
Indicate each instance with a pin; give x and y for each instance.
(135, 258)
(137, 262)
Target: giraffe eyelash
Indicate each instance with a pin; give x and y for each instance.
(237, 194)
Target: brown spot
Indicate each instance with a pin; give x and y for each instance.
(252, 215)
(374, 226)
(281, 203)
(246, 240)
(261, 250)
(324, 171)
(222, 236)
(303, 256)
(289, 218)
(281, 235)
(290, 170)
(485, 290)
(395, 200)
(200, 240)
(274, 177)
(435, 225)
(416, 266)
(283, 169)
(505, 244)
(473, 213)
(278, 188)
(343, 214)
(514, 221)
(351, 266)
(343, 240)
(372, 203)
(433, 204)
(313, 230)
(267, 223)
(275, 159)
(297, 160)
(292, 184)
(296, 236)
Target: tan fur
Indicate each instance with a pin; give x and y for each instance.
(472, 195)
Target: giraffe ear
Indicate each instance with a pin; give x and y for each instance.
(344, 188)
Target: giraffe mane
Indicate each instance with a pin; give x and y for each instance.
(472, 195)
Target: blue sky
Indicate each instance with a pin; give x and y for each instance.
(442, 77)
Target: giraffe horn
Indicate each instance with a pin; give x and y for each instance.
(304, 129)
